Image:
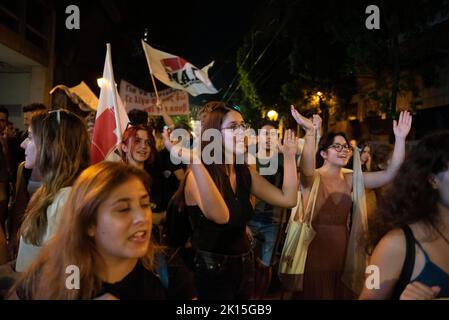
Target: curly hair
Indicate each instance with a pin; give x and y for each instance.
(410, 198)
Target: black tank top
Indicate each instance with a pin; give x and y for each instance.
(230, 238)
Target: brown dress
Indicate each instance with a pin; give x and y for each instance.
(327, 252)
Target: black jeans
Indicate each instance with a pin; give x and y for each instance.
(224, 277)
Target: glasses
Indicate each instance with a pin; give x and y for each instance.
(235, 126)
(269, 133)
(339, 147)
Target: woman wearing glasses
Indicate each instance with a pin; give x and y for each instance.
(331, 219)
(217, 198)
(62, 152)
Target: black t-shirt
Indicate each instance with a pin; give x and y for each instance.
(229, 238)
(143, 284)
(275, 179)
(172, 183)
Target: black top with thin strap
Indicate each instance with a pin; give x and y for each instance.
(229, 238)
(430, 275)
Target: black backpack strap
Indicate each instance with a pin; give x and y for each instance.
(409, 262)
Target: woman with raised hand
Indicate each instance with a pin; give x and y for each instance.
(411, 233)
(217, 198)
(331, 220)
(102, 248)
(62, 152)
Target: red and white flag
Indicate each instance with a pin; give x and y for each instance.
(111, 119)
(178, 73)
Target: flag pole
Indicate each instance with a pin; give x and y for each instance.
(114, 99)
(154, 85)
(151, 71)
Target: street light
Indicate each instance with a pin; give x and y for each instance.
(101, 82)
(324, 110)
(272, 115)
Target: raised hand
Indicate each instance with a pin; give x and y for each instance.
(402, 127)
(305, 123)
(186, 155)
(290, 145)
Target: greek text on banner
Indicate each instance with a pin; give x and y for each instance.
(175, 101)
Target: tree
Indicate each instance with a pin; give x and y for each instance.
(394, 56)
(325, 46)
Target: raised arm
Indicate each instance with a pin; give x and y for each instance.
(200, 187)
(287, 197)
(388, 258)
(401, 129)
(308, 160)
(167, 119)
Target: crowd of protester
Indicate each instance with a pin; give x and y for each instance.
(148, 227)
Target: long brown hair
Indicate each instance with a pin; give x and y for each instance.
(62, 152)
(211, 115)
(72, 245)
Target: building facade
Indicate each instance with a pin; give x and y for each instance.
(27, 29)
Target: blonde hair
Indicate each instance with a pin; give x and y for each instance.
(72, 245)
(63, 151)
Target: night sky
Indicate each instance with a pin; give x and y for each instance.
(199, 31)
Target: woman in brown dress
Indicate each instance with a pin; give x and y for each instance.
(331, 219)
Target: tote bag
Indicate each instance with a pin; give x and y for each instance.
(300, 234)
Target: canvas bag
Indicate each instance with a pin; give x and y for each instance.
(300, 234)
